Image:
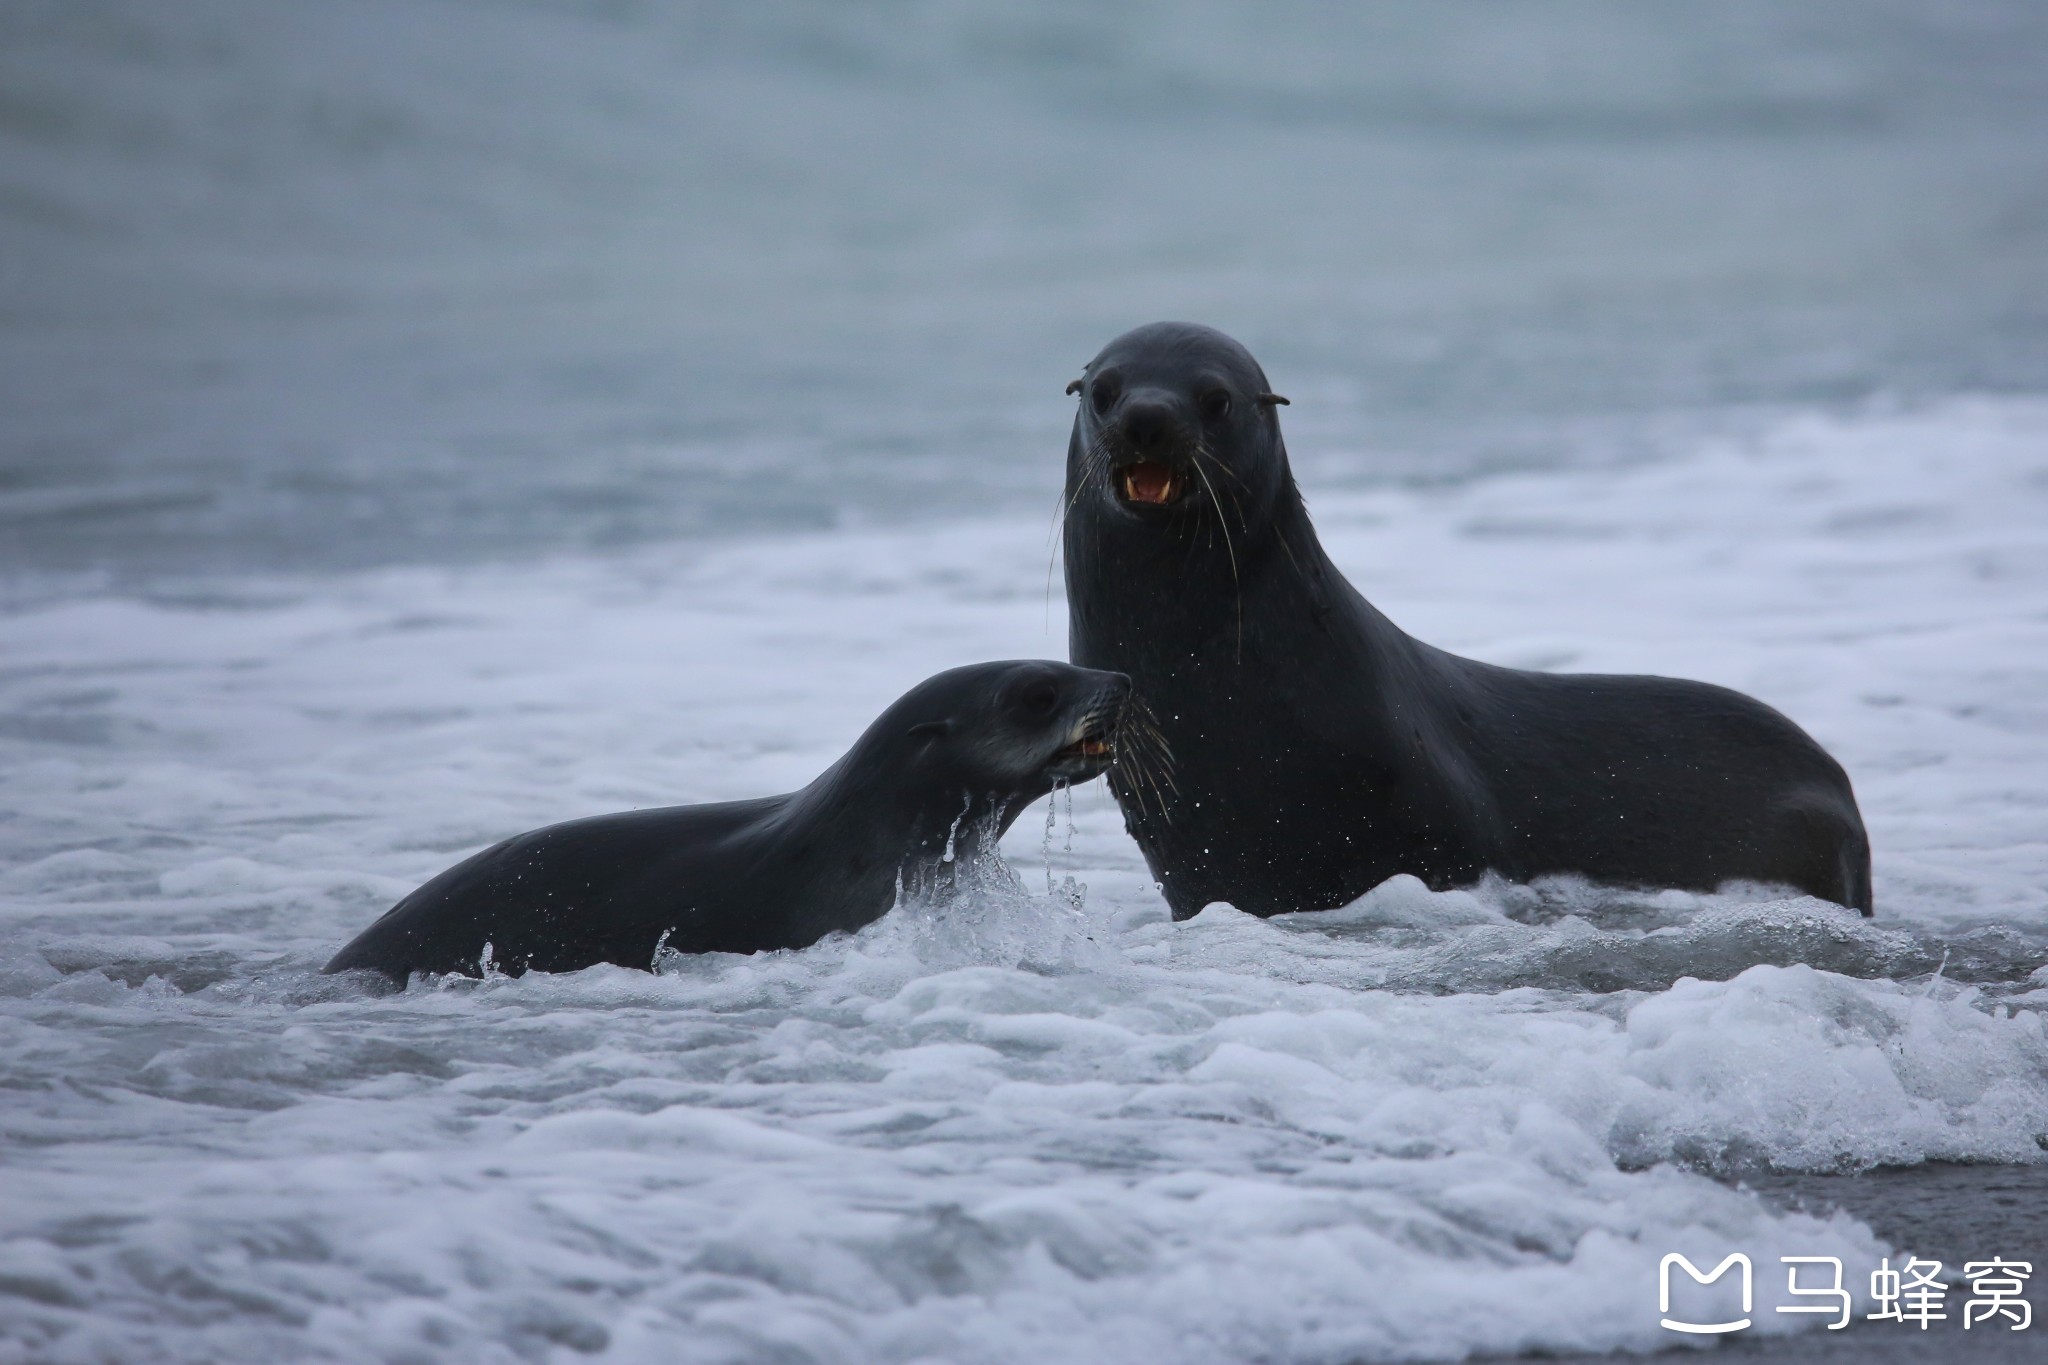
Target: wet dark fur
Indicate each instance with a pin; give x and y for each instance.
(1318, 750)
(932, 784)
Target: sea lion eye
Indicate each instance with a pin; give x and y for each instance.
(1104, 393)
(1216, 404)
(1038, 698)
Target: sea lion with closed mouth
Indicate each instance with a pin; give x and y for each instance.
(1318, 750)
(931, 785)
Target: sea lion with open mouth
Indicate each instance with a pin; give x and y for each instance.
(931, 785)
(1317, 750)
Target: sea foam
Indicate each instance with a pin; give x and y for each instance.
(1038, 1118)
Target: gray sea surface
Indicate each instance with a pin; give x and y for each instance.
(378, 281)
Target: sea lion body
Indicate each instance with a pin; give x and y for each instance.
(1318, 750)
(931, 785)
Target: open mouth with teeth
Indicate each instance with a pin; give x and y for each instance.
(1088, 755)
(1149, 482)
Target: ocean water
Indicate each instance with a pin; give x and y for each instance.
(378, 281)
(1053, 1121)
(426, 420)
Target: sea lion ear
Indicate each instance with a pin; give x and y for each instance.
(1074, 387)
(1267, 400)
(930, 729)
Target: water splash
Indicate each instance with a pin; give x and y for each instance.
(983, 914)
(1045, 845)
(665, 959)
(953, 831)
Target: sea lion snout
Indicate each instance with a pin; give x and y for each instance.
(1097, 709)
(1150, 444)
(1097, 720)
(1151, 425)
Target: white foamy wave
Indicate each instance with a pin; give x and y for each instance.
(825, 1154)
(1021, 1121)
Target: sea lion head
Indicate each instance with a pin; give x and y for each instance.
(1177, 424)
(1014, 730)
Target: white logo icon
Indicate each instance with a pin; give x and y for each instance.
(1735, 1258)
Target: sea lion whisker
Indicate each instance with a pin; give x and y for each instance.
(1202, 451)
(1100, 456)
(1130, 777)
(1094, 464)
(1236, 584)
(1159, 772)
(1164, 758)
(1150, 784)
(1053, 540)
(1149, 719)
(1288, 549)
(1135, 745)
(1119, 776)
(1141, 779)
(1151, 750)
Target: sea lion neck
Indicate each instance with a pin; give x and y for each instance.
(1150, 600)
(926, 823)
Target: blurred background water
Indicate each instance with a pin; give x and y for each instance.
(377, 281)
